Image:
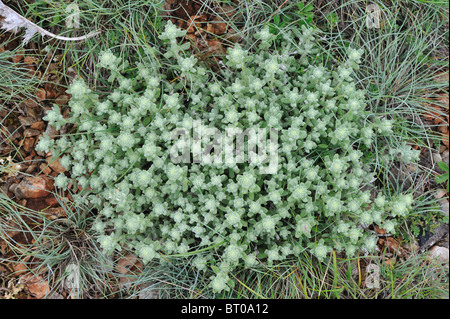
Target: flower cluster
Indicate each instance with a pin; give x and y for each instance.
(318, 199)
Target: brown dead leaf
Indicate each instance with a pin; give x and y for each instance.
(393, 246)
(379, 230)
(442, 77)
(19, 269)
(390, 261)
(41, 94)
(28, 144)
(126, 263)
(36, 285)
(445, 139)
(443, 129)
(443, 100)
(29, 60)
(39, 125)
(215, 47)
(51, 91)
(55, 213)
(18, 57)
(220, 26)
(51, 201)
(209, 28)
(62, 99)
(29, 132)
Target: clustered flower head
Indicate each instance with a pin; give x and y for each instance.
(315, 200)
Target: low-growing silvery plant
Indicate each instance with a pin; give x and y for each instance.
(317, 198)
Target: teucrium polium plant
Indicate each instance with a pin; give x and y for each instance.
(319, 199)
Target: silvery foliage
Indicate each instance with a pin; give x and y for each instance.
(319, 200)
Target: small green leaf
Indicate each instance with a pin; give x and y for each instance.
(276, 20)
(215, 269)
(309, 7)
(442, 178)
(262, 255)
(443, 166)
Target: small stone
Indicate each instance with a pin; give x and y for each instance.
(34, 187)
(444, 206)
(439, 253)
(440, 193)
(412, 168)
(445, 157)
(31, 168)
(13, 187)
(45, 168)
(55, 165)
(437, 157)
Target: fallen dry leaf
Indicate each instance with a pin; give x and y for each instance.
(19, 269)
(18, 57)
(29, 60)
(55, 213)
(442, 77)
(445, 139)
(36, 285)
(379, 230)
(393, 246)
(126, 263)
(41, 94)
(390, 261)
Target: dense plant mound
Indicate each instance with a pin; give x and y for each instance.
(311, 191)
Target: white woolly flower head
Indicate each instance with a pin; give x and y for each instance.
(78, 89)
(172, 32)
(108, 60)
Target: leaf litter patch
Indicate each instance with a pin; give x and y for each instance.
(208, 25)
